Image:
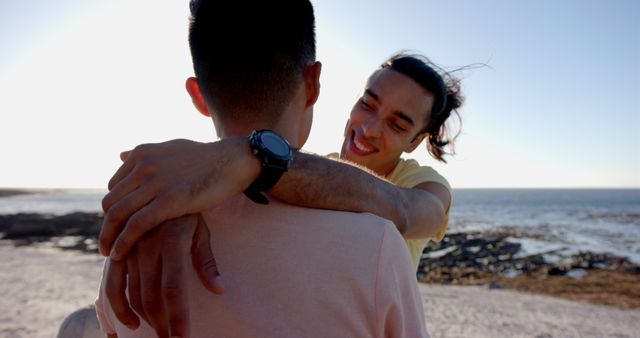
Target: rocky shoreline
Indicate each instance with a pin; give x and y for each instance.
(76, 231)
(460, 259)
(491, 259)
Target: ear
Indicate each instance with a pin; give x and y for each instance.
(312, 83)
(193, 88)
(415, 143)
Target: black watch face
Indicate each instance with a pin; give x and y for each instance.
(275, 144)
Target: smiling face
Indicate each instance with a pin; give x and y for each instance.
(386, 121)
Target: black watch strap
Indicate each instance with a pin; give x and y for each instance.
(265, 181)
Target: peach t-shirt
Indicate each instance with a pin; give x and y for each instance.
(296, 272)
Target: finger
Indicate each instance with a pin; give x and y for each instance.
(150, 282)
(124, 155)
(134, 289)
(138, 224)
(119, 214)
(116, 285)
(124, 187)
(121, 173)
(203, 261)
(174, 292)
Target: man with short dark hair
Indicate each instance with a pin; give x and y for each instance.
(288, 271)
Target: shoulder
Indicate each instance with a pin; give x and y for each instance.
(333, 156)
(408, 173)
(364, 230)
(399, 309)
(361, 230)
(393, 246)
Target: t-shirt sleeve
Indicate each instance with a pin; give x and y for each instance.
(399, 309)
(101, 302)
(410, 173)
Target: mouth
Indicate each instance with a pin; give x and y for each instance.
(360, 147)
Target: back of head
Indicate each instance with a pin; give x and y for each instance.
(249, 57)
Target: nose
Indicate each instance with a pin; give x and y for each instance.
(371, 127)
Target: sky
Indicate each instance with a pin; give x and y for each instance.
(555, 104)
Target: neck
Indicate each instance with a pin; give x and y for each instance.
(386, 170)
(289, 126)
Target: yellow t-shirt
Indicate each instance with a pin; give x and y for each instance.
(407, 174)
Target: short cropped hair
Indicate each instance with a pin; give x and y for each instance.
(250, 56)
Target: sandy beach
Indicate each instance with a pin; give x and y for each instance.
(40, 286)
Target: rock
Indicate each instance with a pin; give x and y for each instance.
(26, 229)
(556, 271)
(475, 258)
(633, 269)
(495, 285)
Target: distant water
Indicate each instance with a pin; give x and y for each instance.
(57, 202)
(542, 220)
(567, 220)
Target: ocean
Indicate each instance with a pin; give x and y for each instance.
(562, 221)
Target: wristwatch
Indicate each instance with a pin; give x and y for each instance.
(275, 155)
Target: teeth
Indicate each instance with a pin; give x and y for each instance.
(361, 146)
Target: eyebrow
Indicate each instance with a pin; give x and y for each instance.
(399, 114)
(372, 94)
(404, 117)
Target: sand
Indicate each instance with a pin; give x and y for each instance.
(39, 287)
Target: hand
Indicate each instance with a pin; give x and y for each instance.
(154, 274)
(158, 182)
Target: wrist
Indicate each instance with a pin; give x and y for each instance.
(233, 156)
(251, 164)
(248, 165)
(275, 155)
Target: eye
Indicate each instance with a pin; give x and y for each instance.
(397, 127)
(364, 103)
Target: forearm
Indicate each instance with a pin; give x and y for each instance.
(426, 212)
(318, 182)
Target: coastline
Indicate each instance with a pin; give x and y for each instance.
(14, 192)
(462, 259)
(493, 260)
